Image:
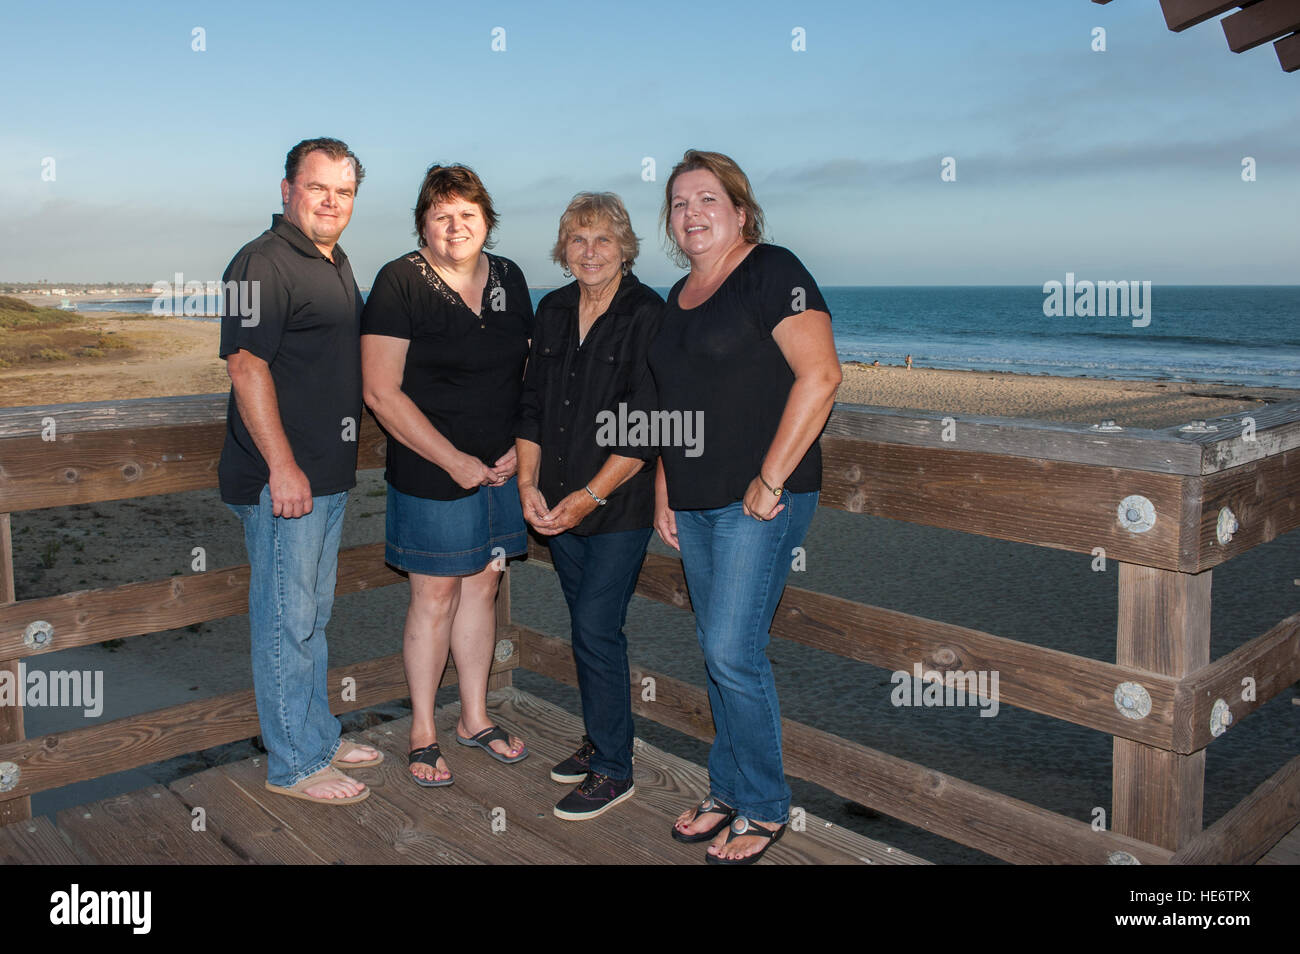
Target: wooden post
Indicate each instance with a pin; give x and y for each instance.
(1164, 626)
(506, 677)
(11, 717)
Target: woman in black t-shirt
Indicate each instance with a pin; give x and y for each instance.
(443, 379)
(745, 353)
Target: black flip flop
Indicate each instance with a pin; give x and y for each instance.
(493, 733)
(710, 804)
(741, 827)
(422, 755)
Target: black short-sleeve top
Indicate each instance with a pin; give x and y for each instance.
(464, 371)
(300, 312)
(719, 362)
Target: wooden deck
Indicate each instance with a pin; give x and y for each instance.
(403, 824)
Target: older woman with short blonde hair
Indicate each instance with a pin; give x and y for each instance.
(591, 498)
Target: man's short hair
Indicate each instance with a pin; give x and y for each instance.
(334, 148)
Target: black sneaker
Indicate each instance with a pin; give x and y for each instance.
(574, 768)
(594, 795)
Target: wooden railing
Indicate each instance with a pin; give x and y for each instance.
(1167, 505)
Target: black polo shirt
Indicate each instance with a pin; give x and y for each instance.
(463, 370)
(573, 392)
(719, 361)
(306, 327)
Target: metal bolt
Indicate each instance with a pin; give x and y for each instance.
(1198, 427)
(38, 634)
(1220, 718)
(1226, 526)
(1107, 425)
(1136, 514)
(1132, 700)
(504, 650)
(9, 775)
(1121, 858)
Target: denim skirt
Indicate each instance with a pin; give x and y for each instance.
(454, 537)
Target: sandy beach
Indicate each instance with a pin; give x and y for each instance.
(1042, 596)
(178, 356)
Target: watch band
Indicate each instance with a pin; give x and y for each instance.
(600, 501)
(776, 491)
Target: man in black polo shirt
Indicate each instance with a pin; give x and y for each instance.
(290, 336)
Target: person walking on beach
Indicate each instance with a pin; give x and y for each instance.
(290, 335)
(745, 342)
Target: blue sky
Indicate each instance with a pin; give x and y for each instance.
(1122, 164)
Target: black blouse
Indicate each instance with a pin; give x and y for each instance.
(464, 371)
(572, 396)
(719, 362)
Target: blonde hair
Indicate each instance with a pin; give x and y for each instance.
(738, 189)
(591, 208)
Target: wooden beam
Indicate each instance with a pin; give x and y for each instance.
(1271, 661)
(1181, 14)
(1264, 497)
(988, 821)
(1288, 52)
(1260, 23)
(1257, 823)
(1057, 684)
(1164, 626)
(117, 462)
(133, 609)
(62, 758)
(1244, 437)
(11, 717)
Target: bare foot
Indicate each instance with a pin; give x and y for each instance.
(689, 823)
(337, 785)
(430, 773)
(501, 748)
(742, 846)
(360, 753)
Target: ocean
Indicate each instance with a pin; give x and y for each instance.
(1234, 334)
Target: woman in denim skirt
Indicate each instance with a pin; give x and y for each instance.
(444, 341)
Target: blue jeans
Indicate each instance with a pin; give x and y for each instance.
(736, 568)
(598, 574)
(292, 568)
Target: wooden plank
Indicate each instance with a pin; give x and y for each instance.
(460, 825)
(246, 827)
(105, 415)
(11, 717)
(114, 462)
(61, 758)
(148, 827)
(1163, 451)
(1054, 683)
(1252, 827)
(34, 841)
(1066, 506)
(1245, 436)
(133, 609)
(1181, 14)
(968, 814)
(1264, 496)
(1164, 626)
(1285, 852)
(1260, 23)
(669, 784)
(1272, 661)
(1288, 52)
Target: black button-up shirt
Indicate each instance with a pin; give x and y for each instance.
(572, 396)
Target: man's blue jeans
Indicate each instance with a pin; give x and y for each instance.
(598, 575)
(292, 569)
(736, 568)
